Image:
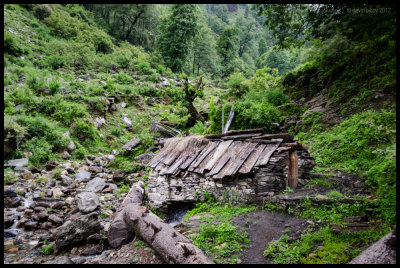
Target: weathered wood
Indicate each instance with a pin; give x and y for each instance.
(247, 149)
(200, 167)
(171, 245)
(203, 155)
(262, 141)
(284, 136)
(158, 127)
(131, 217)
(119, 232)
(222, 173)
(252, 159)
(221, 149)
(230, 118)
(244, 136)
(223, 160)
(176, 165)
(192, 156)
(244, 131)
(214, 136)
(266, 154)
(293, 170)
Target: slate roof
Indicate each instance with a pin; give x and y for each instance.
(220, 155)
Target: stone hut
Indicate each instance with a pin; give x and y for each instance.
(238, 166)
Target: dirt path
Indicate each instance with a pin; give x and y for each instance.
(264, 227)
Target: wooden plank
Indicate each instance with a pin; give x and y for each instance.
(192, 156)
(218, 153)
(252, 159)
(176, 165)
(156, 159)
(170, 158)
(245, 131)
(241, 157)
(200, 167)
(204, 154)
(214, 136)
(262, 141)
(223, 160)
(266, 154)
(235, 152)
(293, 170)
(244, 136)
(285, 136)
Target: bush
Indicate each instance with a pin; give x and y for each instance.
(40, 149)
(42, 11)
(238, 84)
(85, 130)
(10, 45)
(249, 114)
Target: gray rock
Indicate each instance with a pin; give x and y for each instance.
(98, 122)
(131, 145)
(127, 121)
(30, 225)
(82, 176)
(54, 219)
(17, 162)
(65, 155)
(87, 201)
(71, 146)
(18, 107)
(144, 158)
(96, 185)
(60, 260)
(72, 232)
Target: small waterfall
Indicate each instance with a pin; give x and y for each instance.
(177, 211)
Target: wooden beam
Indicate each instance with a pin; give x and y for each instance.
(284, 136)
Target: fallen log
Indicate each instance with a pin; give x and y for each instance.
(164, 129)
(131, 217)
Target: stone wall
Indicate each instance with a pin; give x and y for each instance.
(264, 182)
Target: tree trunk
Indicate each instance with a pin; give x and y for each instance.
(131, 217)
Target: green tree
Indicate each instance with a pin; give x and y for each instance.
(177, 34)
(295, 24)
(227, 48)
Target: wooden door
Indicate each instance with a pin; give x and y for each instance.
(293, 170)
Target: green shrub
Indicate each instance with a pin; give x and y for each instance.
(238, 84)
(42, 11)
(47, 249)
(54, 86)
(85, 130)
(10, 45)
(40, 149)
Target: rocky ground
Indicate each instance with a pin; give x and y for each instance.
(69, 213)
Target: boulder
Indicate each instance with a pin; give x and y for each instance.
(96, 185)
(87, 201)
(72, 232)
(127, 121)
(130, 146)
(71, 146)
(82, 176)
(54, 219)
(144, 158)
(65, 155)
(98, 122)
(60, 260)
(17, 162)
(27, 175)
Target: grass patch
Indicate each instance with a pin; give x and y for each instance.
(322, 246)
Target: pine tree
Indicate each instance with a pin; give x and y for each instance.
(177, 34)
